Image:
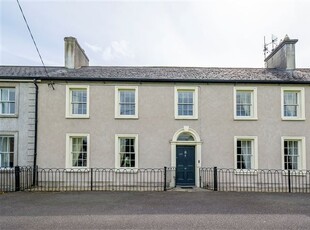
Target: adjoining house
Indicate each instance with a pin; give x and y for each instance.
(150, 117)
(17, 119)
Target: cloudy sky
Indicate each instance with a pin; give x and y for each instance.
(218, 33)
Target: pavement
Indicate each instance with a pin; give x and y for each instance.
(190, 209)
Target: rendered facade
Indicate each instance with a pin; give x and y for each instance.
(17, 120)
(150, 117)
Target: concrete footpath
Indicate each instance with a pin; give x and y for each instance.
(154, 210)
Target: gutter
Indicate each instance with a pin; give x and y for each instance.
(15, 80)
(35, 135)
(176, 80)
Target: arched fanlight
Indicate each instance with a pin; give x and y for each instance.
(185, 136)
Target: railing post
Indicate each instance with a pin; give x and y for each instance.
(165, 178)
(289, 181)
(215, 179)
(91, 179)
(34, 176)
(199, 177)
(17, 178)
(37, 176)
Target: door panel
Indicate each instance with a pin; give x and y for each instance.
(185, 161)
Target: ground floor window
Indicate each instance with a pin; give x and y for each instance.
(245, 152)
(78, 150)
(127, 151)
(6, 151)
(292, 151)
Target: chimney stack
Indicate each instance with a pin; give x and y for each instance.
(75, 56)
(283, 56)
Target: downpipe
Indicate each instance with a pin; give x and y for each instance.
(35, 134)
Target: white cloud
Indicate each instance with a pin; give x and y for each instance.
(117, 50)
(94, 48)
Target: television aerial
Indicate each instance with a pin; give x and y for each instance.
(269, 47)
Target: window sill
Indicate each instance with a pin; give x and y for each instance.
(293, 119)
(186, 118)
(127, 117)
(8, 116)
(77, 117)
(245, 118)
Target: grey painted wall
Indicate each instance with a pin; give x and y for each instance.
(156, 124)
(22, 125)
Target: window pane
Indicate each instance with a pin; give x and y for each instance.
(79, 151)
(12, 95)
(6, 151)
(185, 103)
(291, 154)
(127, 152)
(244, 154)
(291, 104)
(244, 103)
(127, 102)
(79, 101)
(4, 94)
(7, 101)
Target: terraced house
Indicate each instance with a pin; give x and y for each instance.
(150, 117)
(17, 120)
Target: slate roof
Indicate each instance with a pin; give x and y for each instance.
(157, 74)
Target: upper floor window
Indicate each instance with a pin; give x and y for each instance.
(126, 105)
(246, 152)
(186, 102)
(245, 103)
(293, 103)
(77, 150)
(293, 153)
(126, 151)
(6, 151)
(77, 101)
(7, 101)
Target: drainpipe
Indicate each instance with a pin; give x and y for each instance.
(35, 134)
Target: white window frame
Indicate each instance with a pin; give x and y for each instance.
(15, 135)
(69, 89)
(301, 103)
(254, 159)
(117, 101)
(16, 101)
(117, 150)
(195, 104)
(253, 100)
(301, 165)
(69, 137)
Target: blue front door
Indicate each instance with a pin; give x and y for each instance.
(185, 170)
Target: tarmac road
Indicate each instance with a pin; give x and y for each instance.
(154, 210)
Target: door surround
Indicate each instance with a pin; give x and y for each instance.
(196, 142)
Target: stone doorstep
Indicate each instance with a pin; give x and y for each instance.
(188, 189)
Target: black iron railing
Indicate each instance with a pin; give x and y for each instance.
(259, 180)
(15, 179)
(159, 179)
(92, 179)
